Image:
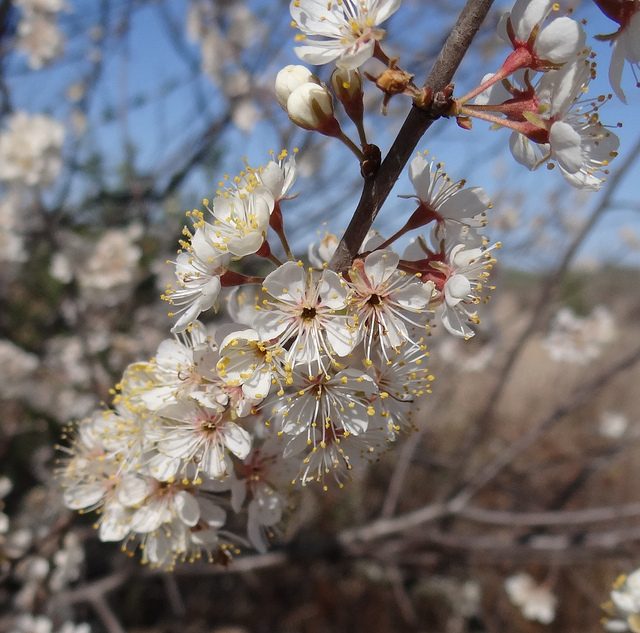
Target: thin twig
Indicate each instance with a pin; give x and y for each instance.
(560, 517)
(106, 614)
(403, 600)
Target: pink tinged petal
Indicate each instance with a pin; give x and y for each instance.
(236, 439)
(379, 266)
(83, 495)
(561, 40)
(523, 150)
(615, 70)
(187, 508)
(456, 289)
(333, 294)
(566, 146)
(465, 203)
(133, 490)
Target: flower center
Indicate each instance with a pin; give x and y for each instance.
(308, 314)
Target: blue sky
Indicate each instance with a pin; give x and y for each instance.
(144, 65)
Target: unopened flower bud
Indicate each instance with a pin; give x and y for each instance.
(310, 106)
(347, 86)
(290, 78)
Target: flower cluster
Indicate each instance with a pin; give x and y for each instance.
(317, 375)
(539, 94)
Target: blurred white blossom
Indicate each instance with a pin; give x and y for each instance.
(537, 602)
(613, 424)
(30, 149)
(580, 340)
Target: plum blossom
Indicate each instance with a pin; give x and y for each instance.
(580, 340)
(345, 31)
(380, 298)
(301, 313)
(402, 380)
(198, 271)
(447, 202)
(536, 45)
(187, 432)
(240, 220)
(246, 361)
(183, 366)
(39, 36)
(552, 122)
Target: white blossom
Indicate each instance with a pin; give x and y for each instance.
(342, 31)
(301, 314)
(381, 297)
